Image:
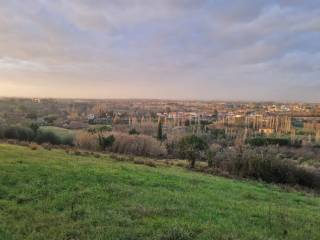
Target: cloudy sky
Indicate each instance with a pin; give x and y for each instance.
(177, 49)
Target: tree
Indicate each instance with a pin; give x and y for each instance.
(192, 148)
(32, 115)
(34, 127)
(133, 131)
(105, 142)
(159, 133)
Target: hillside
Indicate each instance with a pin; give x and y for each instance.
(54, 195)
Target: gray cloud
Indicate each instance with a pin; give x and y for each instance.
(139, 48)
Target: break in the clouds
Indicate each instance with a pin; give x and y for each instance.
(199, 49)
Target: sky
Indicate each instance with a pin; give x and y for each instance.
(171, 49)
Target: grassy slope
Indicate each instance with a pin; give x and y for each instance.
(52, 195)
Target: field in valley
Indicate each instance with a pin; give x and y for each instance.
(61, 132)
(58, 195)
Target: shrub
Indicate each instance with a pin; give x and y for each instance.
(1, 132)
(172, 143)
(265, 163)
(181, 164)
(105, 128)
(68, 141)
(47, 137)
(262, 141)
(141, 145)
(19, 133)
(86, 140)
(47, 146)
(33, 146)
(133, 131)
(218, 133)
(106, 142)
(150, 163)
(35, 127)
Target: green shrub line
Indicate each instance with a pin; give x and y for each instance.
(259, 159)
(32, 134)
(265, 141)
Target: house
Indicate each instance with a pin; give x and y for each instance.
(266, 131)
(36, 100)
(91, 117)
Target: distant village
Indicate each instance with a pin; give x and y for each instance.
(249, 118)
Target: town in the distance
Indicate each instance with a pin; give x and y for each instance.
(297, 122)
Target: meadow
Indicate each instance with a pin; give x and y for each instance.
(59, 195)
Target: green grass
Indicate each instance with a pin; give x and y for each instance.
(61, 132)
(54, 195)
(96, 126)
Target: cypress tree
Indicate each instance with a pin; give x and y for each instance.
(160, 134)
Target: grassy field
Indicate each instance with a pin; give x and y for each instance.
(61, 132)
(54, 195)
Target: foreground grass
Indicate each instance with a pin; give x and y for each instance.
(54, 195)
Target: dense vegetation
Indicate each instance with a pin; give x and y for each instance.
(55, 195)
(268, 159)
(36, 134)
(265, 141)
(254, 144)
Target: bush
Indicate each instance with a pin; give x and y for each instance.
(134, 132)
(140, 145)
(33, 134)
(262, 141)
(19, 133)
(86, 140)
(150, 163)
(68, 141)
(33, 146)
(35, 127)
(265, 163)
(11, 133)
(1, 132)
(47, 146)
(47, 137)
(106, 142)
(105, 128)
(218, 133)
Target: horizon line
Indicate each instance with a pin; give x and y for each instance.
(165, 99)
